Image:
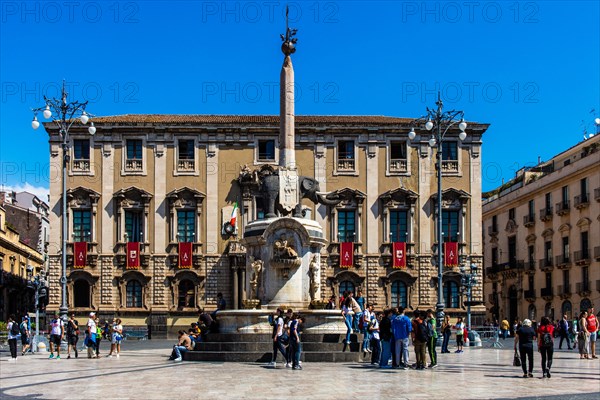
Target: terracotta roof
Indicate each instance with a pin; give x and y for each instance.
(244, 119)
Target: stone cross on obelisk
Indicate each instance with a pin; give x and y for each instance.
(288, 174)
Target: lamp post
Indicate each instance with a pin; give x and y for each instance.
(439, 122)
(468, 280)
(64, 115)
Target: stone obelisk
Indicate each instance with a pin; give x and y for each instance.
(288, 173)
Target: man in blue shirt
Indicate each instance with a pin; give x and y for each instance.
(401, 328)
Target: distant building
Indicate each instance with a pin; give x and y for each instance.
(542, 238)
(19, 263)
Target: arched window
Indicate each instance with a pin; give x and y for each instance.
(134, 294)
(531, 311)
(451, 295)
(399, 294)
(346, 286)
(585, 305)
(187, 294)
(549, 311)
(81, 293)
(567, 308)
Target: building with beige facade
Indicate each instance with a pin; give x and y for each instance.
(542, 238)
(158, 180)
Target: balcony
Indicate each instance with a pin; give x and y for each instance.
(546, 214)
(388, 259)
(529, 220)
(449, 166)
(546, 264)
(597, 194)
(583, 288)
(346, 165)
(563, 261)
(582, 201)
(582, 257)
(92, 255)
(334, 254)
(185, 165)
(529, 267)
(597, 253)
(398, 165)
(529, 295)
(197, 256)
(562, 208)
(493, 230)
(81, 165)
(547, 293)
(133, 165)
(121, 254)
(564, 291)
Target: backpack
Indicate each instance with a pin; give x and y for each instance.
(423, 331)
(23, 328)
(272, 320)
(547, 340)
(14, 329)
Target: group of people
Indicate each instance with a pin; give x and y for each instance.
(286, 338)
(58, 331)
(197, 332)
(527, 332)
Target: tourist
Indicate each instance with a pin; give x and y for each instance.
(25, 335)
(343, 298)
(13, 335)
(433, 339)
(446, 332)
(100, 331)
(401, 328)
(331, 303)
(419, 339)
(524, 337)
(295, 345)
(347, 315)
(285, 337)
(205, 322)
(360, 301)
(72, 335)
(583, 337)
(183, 345)
(221, 305)
(459, 330)
(504, 329)
(277, 333)
(575, 333)
(546, 345)
(56, 335)
(116, 338)
(386, 337)
(592, 327)
(375, 338)
(564, 332)
(91, 332)
(364, 325)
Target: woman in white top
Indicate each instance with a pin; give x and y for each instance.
(116, 337)
(460, 331)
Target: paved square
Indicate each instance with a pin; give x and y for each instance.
(143, 372)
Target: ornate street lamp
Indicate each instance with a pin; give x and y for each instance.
(468, 281)
(438, 122)
(64, 115)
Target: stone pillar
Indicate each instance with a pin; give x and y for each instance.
(236, 288)
(372, 228)
(106, 282)
(287, 158)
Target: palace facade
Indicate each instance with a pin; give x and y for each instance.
(146, 183)
(542, 238)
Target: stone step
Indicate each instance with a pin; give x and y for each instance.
(261, 337)
(268, 346)
(265, 357)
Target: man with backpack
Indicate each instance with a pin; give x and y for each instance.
(401, 328)
(431, 325)
(57, 333)
(564, 332)
(13, 335)
(25, 337)
(277, 322)
(420, 337)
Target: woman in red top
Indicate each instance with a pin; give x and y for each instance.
(546, 345)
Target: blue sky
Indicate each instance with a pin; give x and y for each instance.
(529, 68)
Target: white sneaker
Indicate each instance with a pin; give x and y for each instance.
(109, 356)
(288, 365)
(117, 355)
(178, 359)
(273, 364)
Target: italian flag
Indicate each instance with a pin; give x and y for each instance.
(233, 214)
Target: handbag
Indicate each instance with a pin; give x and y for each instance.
(516, 360)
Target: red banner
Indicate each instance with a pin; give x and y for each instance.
(346, 254)
(399, 255)
(185, 255)
(79, 254)
(451, 254)
(133, 255)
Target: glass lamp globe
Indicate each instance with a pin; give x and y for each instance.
(429, 125)
(92, 129)
(432, 142)
(597, 121)
(35, 123)
(47, 112)
(84, 118)
(463, 125)
(412, 134)
(462, 135)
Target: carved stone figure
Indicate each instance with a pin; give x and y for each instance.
(281, 249)
(257, 267)
(313, 272)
